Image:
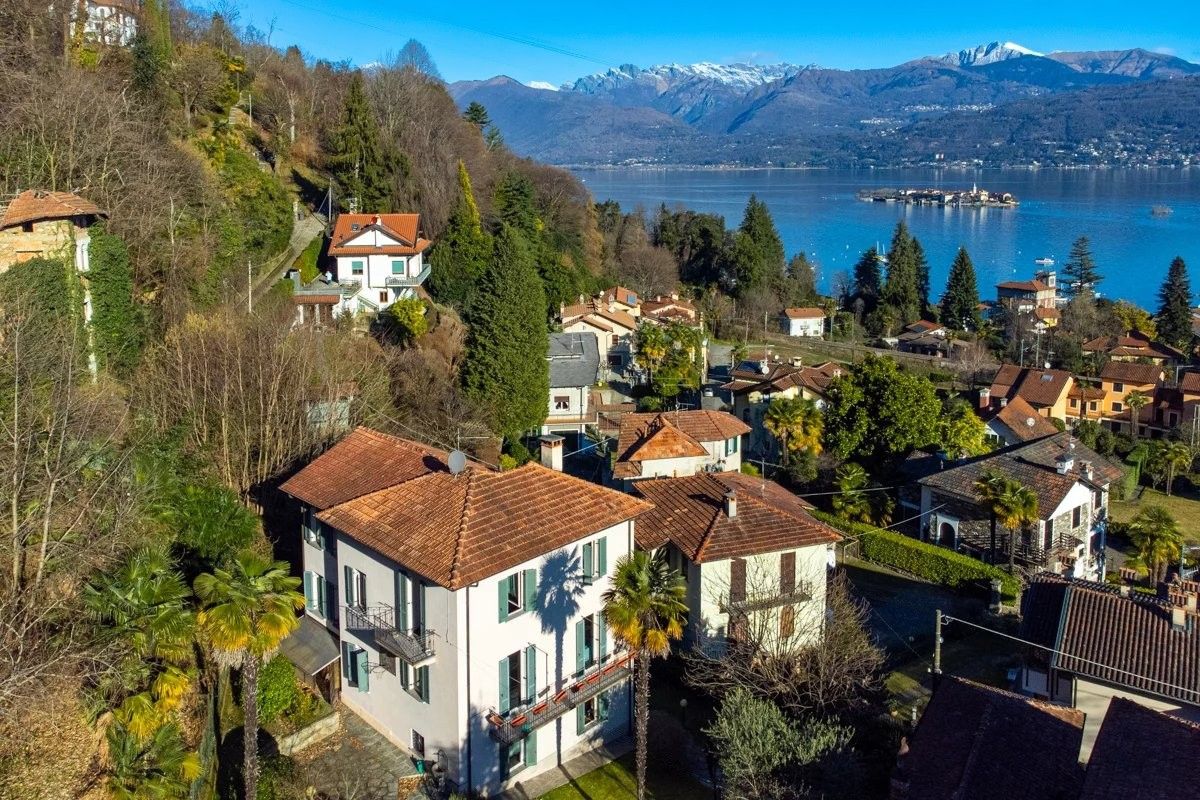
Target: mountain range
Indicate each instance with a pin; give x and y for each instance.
(787, 114)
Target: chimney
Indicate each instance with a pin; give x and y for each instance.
(797, 361)
(1066, 461)
(1179, 618)
(377, 220)
(552, 452)
(985, 397)
(731, 504)
(1088, 470)
(1003, 402)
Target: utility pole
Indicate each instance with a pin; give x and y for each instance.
(937, 648)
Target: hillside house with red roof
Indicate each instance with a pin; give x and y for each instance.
(677, 443)
(803, 321)
(374, 260)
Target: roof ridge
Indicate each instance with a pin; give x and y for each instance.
(706, 538)
(461, 533)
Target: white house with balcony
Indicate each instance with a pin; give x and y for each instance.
(376, 259)
(461, 607)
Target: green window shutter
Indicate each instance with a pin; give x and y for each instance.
(322, 606)
(603, 637)
(320, 529)
(423, 683)
(421, 605)
(310, 593)
(346, 663)
(505, 700)
(580, 720)
(401, 601)
(405, 672)
(603, 701)
(347, 585)
(531, 749)
(530, 673)
(504, 750)
(530, 589)
(503, 587)
(581, 650)
(602, 556)
(587, 563)
(362, 670)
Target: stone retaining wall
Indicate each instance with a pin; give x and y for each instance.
(305, 737)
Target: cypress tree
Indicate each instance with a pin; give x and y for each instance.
(960, 303)
(505, 368)
(514, 206)
(922, 275)
(868, 280)
(461, 253)
(901, 291)
(1174, 311)
(362, 165)
(758, 255)
(1080, 269)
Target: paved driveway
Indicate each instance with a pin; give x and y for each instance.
(358, 763)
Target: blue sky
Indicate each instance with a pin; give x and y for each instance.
(478, 40)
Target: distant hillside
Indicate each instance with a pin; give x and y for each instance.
(787, 114)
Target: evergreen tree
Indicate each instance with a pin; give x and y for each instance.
(461, 253)
(116, 321)
(505, 368)
(1175, 309)
(960, 303)
(758, 256)
(901, 292)
(151, 49)
(477, 115)
(799, 288)
(363, 167)
(922, 275)
(868, 281)
(514, 206)
(1080, 270)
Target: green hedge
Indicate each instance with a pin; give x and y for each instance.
(929, 561)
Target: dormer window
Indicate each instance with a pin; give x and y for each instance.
(355, 227)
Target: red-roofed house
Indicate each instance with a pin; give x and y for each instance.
(376, 259)
(1025, 296)
(677, 443)
(804, 321)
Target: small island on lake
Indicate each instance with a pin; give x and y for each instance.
(970, 198)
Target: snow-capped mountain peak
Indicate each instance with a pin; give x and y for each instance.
(543, 85)
(987, 54)
(663, 77)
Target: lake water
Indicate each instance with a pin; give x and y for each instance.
(816, 211)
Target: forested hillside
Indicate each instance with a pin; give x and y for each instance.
(202, 144)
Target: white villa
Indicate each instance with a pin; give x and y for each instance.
(803, 321)
(463, 606)
(375, 259)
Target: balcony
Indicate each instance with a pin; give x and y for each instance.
(522, 721)
(380, 623)
(349, 285)
(405, 280)
(761, 601)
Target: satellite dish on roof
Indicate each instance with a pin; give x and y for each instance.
(1029, 421)
(458, 462)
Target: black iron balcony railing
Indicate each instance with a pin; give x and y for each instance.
(761, 601)
(520, 722)
(380, 622)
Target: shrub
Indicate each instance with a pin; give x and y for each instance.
(279, 779)
(278, 690)
(923, 560)
(308, 261)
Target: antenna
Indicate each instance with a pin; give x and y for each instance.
(457, 462)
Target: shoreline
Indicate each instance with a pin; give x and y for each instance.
(943, 167)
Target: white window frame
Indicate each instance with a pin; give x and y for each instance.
(517, 578)
(562, 402)
(358, 589)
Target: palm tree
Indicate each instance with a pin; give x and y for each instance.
(851, 501)
(1136, 402)
(651, 345)
(796, 423)
(989, 486)
(1176, 456)
(1016, 507)
(644, 609)
(248, 610)
(153, 768)
(1156, 536)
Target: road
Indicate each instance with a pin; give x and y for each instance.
(303, 232)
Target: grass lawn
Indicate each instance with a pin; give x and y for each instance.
(615, 781)
(1184, 509)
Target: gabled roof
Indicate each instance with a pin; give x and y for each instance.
(1140, 752)
(976, 742)
(1033, 464)
(1046, 314)
(924, 326)
(690, 512)
(574, 360)
(364, 461)
(804, 313)
(1189, 383)
(619, 294)
(1131, 372)
(1099, 634)
(1021, 420)
(1039, 387)
(675, 434)
(1133, 344)
(403, 229)
(38, 206)
(748, 377)
(595, 309)
(1023, 286)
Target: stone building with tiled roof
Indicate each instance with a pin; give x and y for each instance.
(753, 557)
(1094, 644)
(677, 443)
(1072, 486)
(465, 604)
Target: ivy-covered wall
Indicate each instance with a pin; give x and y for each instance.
(117, 322)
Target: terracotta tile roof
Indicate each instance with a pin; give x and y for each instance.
(1131, 372)
(593, 321)
(1086, 393)
(1046, 314)
(1133, 344)
(1119, 640)
(456, 530)
(670, 435)
(316, 299)
(620, 294)
(690, 512)
(36, 206)
(1140, 752)
(403, 228)
(1189, 382)
(1040, 387)
(747, 377)
(975, 742)
(1031, 463)
(1023, 286)
(364, 461)
(1022, 420)
(804, 313)
(594, 308)
(923, 326)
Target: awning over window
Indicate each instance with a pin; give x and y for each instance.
(311, 647)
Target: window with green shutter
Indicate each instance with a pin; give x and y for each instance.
(587, 565)
(362, 671)
(505, 700)
(531, 749)
(530, 673)
(421, 681)
(397, 266)
(356, 268)
(517, 593)
(310, 590)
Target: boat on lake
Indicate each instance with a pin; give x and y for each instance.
(1044, 261)
(1161, 211)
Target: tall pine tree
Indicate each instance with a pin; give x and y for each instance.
(514, 203)
(868, 281)
(462, 252)
(1080, 269)
(1175, 307)
(758, 256)
(960, 303)
(505, 369)
(901, 292)
(362, 166)
(922, 275)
